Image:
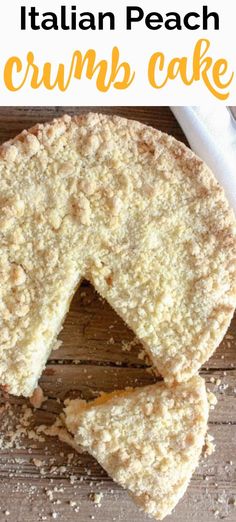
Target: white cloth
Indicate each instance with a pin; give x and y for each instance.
(211, 133)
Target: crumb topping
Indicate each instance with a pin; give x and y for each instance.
(148, 440)
(130, 209)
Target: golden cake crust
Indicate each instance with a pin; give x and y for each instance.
(132, 210)
(149, 440)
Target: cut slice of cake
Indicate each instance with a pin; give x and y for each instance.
(132, 210)
(149, 440)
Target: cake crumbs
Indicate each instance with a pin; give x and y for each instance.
(96, 498)
(211, 399)
(57, 345)
(209, 447)
(58, 430)
(38, 463)
(16, 425)
(223, 387)
(49, 494)
(38, 398)
(128, 345)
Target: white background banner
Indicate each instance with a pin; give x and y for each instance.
(136, 47)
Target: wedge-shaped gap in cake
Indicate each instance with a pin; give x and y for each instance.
(95, 352)
(92, 331)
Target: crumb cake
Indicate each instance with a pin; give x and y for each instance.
(149, 440)
(136, 213)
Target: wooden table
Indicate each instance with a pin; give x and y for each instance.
(93, 357)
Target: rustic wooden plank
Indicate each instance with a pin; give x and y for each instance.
(14, 119)
(94, 357)
(212, 489)
(84, 381)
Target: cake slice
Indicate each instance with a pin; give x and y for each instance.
(149, 440)
(132, 210)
